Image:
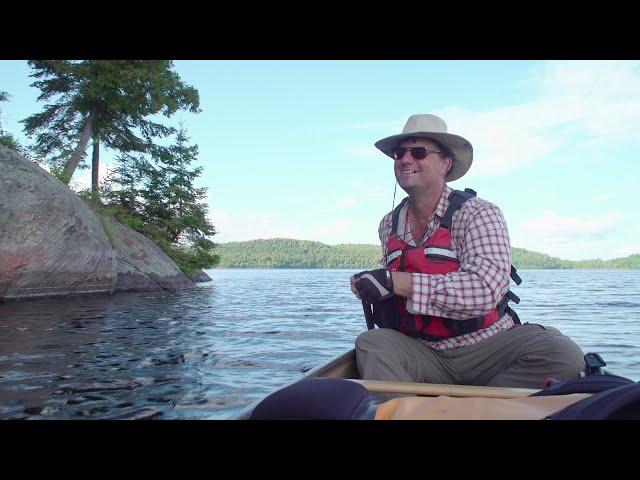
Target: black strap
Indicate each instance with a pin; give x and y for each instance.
(587, 384)
(619, 403)
(459, 327)
(368, 314)
(395, 215)
(456, 199)
(594, 363)
(513, 297)
(503, 306)
(513, 315)
(514, 276)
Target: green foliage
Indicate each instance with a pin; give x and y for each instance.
(116, 97)
(122, 185)
(522, 258)
(171, 199)
(112, 101)
(158, 199)
(87, 195)
(190, 259)
(58, 172)
(7, 139)
(288, 253)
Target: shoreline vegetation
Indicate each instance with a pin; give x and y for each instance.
(116, 104)
(289, 253)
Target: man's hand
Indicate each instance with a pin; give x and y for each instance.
(372, 285)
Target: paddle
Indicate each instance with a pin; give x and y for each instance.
(434, 390)
(368, 314)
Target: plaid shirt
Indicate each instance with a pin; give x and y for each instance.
(480, 241)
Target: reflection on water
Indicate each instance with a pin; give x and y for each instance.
(208, 352)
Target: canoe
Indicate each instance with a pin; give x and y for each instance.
(344, 367)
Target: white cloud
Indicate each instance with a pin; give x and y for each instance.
(348, 201)
(551, 224)
(628, 249)
(501, 144)
(242, 227)
(606, 196)
(599, 100)
(387, 125)
(82, 178)
(573, 238)
(328, 232)
(250, 226)
(602, 98)
(362, 151)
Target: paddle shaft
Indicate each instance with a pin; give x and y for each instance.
(434, 389)
(368, 315)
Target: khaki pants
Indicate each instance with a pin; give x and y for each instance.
(521, 357)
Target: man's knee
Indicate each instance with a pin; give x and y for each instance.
(563, 356)
(551, 329)
(375, 338)
(381, 356)
(571, 357)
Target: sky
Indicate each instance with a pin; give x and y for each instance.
(287, 146)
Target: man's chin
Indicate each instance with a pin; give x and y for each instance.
(408, 188)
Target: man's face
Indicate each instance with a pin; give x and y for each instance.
(414, 175)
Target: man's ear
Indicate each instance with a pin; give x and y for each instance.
(449, 160)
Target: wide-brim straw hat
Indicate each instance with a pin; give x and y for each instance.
(433, 127)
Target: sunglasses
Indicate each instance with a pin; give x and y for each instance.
(418, 153)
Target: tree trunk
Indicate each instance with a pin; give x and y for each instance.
(71, 165)
(95, 164)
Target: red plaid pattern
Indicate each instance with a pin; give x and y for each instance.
(480, 240)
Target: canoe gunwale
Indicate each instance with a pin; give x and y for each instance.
(344, 366)
(332, 369)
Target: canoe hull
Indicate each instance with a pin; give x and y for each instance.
(345, 366)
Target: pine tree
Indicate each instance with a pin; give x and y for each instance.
(6, 138)
(121, 190)
(107, 102)
(174, 209)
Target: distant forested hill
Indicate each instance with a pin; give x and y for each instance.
(289, 253)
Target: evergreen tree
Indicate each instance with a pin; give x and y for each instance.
(121, 188)
(289, 253)
(173, 208)
(107, 102)
(6, 138)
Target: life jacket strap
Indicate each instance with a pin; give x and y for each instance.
(514, 275)
(393, 255)
(503, 306)
(513, 315)
(440, 253)
(457, 327)
(461, 327)
(456, 199)
(395, 215)
(513, 297)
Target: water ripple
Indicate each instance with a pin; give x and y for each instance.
(210, 351)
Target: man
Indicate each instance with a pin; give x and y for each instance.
(444, 290)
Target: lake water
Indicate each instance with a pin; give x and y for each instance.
(208, 352)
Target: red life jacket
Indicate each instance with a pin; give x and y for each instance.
(436, 256)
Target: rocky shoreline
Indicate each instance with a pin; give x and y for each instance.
(52, 244)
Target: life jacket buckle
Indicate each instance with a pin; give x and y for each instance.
(594, 364)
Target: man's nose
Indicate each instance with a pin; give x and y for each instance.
(405, 158)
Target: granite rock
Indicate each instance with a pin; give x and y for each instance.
(53, 244)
